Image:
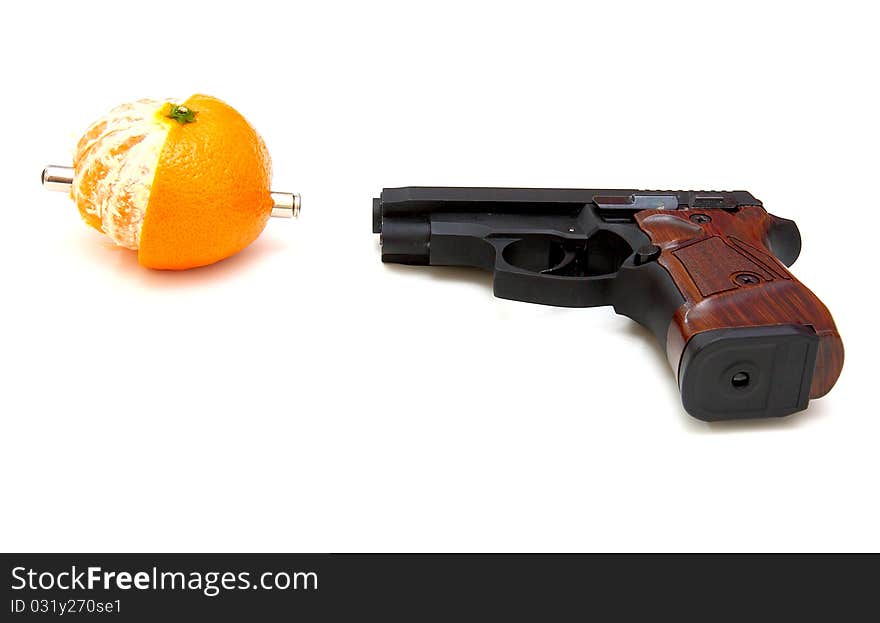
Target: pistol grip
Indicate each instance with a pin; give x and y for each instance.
(749, 339)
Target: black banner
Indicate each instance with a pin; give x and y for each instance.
(276, 587)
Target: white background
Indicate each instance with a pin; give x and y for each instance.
(304, 397)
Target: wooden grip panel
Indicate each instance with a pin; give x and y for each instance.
(729, 278)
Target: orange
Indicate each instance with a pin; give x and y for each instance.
(184, 184)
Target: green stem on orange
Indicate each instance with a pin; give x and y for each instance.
(181, 114)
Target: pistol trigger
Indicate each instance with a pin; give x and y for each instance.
(568, 257)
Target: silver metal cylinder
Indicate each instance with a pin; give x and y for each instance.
(57, 178)
(286, 205)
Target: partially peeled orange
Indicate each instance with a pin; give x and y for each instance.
(185, 183)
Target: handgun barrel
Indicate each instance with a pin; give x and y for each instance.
(414, 201)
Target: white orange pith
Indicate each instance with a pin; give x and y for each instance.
(114, 166)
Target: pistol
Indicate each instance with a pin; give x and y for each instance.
(704, 271)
